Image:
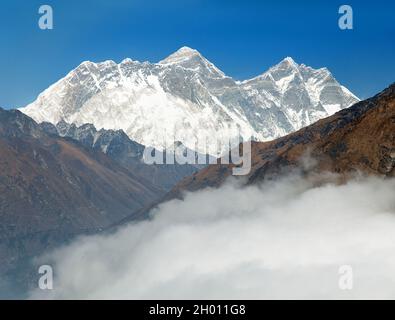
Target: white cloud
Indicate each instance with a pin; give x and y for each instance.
(284, 239)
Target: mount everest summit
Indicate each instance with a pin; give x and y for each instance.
(186, 98)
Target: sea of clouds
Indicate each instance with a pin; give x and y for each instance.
(284, 239)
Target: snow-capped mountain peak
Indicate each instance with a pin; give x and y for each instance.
(193, 60)
(288, 62)
(181, 55)
(185, 97)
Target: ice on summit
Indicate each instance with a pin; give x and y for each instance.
(181, 55)
(185, 97)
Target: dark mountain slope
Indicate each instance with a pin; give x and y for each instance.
(117, 145)
(53, 188)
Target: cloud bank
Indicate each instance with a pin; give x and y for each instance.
(284, 239)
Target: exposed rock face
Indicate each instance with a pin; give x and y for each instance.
(117, 145)
(360, 139)
(186, 98)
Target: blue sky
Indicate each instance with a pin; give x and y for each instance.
(241, 37)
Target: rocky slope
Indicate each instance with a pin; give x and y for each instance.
(186, 98)
(357, 140)
(130, 154)
(52, 189)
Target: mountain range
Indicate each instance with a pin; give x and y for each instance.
(130, 154)
(58, 182)
(359, 140)
(72, 162)
(186, 98)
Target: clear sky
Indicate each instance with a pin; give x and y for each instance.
(243, 38)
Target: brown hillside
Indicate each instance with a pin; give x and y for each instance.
(358, 139)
